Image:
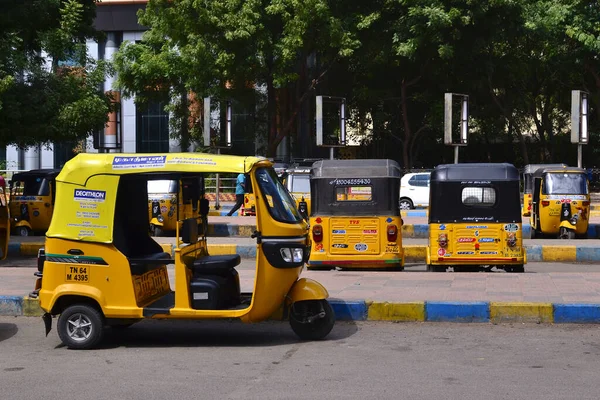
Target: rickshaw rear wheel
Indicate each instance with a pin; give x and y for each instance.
(515, 268)
(80, 327)
(312, 319)
(436, 268)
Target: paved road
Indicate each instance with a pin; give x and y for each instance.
(226, 360)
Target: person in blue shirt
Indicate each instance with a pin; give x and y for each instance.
(240, 189)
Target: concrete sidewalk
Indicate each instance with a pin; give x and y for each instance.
(408, 296)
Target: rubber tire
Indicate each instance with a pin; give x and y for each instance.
(317, 330)
(157, 231)
(519, 269)
(96, 318)
(436, 268)
(406, 201)
(22, 231)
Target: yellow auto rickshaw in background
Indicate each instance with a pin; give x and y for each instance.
(32, 196)
(100, 267)
(355, 220)
(475, 218)
(168, 203)
(4, 220)
(560, 203)
(297, 181)
(528, 172)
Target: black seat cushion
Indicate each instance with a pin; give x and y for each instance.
(215, 265)
(155, 258)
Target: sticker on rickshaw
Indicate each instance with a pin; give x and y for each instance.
(466, 240)
(319, 248)
(369, 231)
(553, 212)
(486, 240)
(350, 182)
(392, 248)
(339, 232)
(441, 252)
(361, 247)
(511, 227)
(163, 209)
(151, 284)
(465, 252)
(564, 197)
(89, 195)
(488, 253)
(476, 226)
(339, 246)
(139, 162)
(442, 227)
(77, 274)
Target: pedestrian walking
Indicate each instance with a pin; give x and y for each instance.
(240, 189)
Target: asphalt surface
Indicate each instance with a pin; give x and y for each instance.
(375, 360)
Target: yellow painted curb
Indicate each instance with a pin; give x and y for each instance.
(415, 253)
(408, 231)
(167, 247)
(30, 249)
(521, 312)
(222, 249)
(559, 253)
(413, 311)
(31, 307)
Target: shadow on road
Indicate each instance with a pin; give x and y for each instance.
(7, 331)
(158, 334)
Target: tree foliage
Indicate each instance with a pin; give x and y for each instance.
(48, 86)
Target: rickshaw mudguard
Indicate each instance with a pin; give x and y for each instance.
(306, 289)
(23, 223)
(567, 224)
(49, 299)
(155, 222)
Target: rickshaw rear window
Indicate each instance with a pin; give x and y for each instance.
(353, 193)
(162, 186)
(479, 196)
(281, 205)
(562, 183)
(32, 187)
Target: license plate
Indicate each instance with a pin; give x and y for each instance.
(77, 274)
(392, 249)
(151, 284)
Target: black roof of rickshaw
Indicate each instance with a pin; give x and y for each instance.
(36, 173)
(474, 171)
(369, 168)
(539, 172)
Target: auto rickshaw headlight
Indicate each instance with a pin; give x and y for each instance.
(317, 233)
(294, 255)
(392, 233)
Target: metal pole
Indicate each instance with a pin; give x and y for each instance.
(579, 155)
(218, 187)
(331, 149)
(455, 154)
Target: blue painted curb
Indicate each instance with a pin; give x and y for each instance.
(349, 310)
(246, 251)
(577, 313)
(457, 311)
(11, 306)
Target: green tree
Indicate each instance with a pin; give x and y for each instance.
(48, 86)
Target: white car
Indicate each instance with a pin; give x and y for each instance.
(414, 190)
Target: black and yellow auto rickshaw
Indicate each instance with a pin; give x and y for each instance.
(166, 205)
(32, 200)
(475, 218)
(297, 181)
(560, 203)
(4, 220)
(528, 172)
(100, 267)
(355, 220)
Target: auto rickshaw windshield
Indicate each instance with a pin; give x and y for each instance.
(37, 186)
(565, 183)
(279, 201)
(162, 186)
(301, 184)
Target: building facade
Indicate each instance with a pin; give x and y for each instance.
(132, 129)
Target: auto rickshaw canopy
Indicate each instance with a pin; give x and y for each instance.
(35, 176)
(452, 186)
(379, 178)
(558, 170)
(88, 185)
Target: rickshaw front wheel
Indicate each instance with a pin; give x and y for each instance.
(80, 327)
(157, 231)
(22, 231)
(312, 319)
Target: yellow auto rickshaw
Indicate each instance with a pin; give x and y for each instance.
(355, 220)
(168, 202)
(100, 267)
(297, 181)
(561, 203)
(475, 218)
(4, 220)
(32, 200)
(528, 172)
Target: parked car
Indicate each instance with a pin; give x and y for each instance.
(414, 190)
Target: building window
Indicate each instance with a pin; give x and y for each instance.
(152, 128)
